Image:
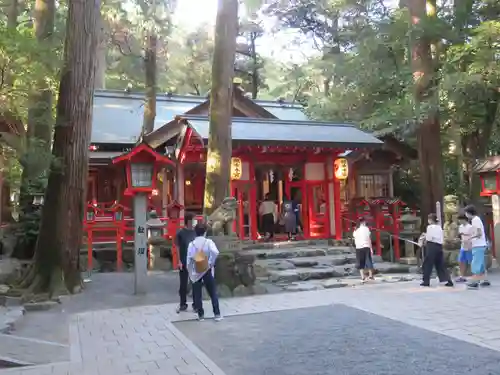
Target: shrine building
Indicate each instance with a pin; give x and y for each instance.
(276, 149)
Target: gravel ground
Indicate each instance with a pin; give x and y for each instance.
(334, 340)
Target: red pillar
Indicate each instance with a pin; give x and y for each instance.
(338, 214)
(327, 201)
(252, 209)
(395, 224)
(378, 226)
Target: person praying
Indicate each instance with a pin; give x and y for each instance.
(434, 256)
(268, 211)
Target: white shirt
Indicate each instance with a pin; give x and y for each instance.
(477, 224)
(434, 233)
(210, 250)
(466, 231)
(362, 237)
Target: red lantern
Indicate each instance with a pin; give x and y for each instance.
(142, 166)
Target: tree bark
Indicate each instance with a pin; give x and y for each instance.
(220, 140)
(58, 247)
(39, 128)
(429, 131)
(151, 84)
(101, 65)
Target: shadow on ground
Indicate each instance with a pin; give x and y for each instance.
(336, 340)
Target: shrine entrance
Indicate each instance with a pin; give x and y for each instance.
(245, 225)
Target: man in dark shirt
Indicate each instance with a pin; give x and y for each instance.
(182, 240)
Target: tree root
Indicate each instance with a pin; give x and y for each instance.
(28, 277)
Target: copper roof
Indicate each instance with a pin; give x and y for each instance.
(491, 164)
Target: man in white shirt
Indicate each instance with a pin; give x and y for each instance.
(434, 257)
(363, 244)
(207, 248)
(479, 245)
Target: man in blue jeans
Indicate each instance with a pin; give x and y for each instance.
(479, 246)
(206, 247)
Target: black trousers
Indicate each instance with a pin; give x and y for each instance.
(434, 258)
(268, 224)
(183, 287)
(209, 282)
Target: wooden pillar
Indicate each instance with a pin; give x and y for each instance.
(252, 202)
(164, 191)
(495, 232)
(327, 199)
(179, 182)
(337, 204)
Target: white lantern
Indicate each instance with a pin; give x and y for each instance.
(141, 175)
(38, 199)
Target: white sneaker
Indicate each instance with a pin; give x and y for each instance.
(218, 318)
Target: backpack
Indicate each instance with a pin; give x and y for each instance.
(200, 260)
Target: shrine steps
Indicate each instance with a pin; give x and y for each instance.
(311, 267)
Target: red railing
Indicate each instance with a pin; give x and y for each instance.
(380, 215)
(115, 226)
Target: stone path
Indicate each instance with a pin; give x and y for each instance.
(144, 340)
(334, 339)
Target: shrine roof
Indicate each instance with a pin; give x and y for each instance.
(118, 115)
(314, 133)
(490, 164)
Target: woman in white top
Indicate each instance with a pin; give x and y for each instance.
(434, 256)
(363, 244)
(268, 211)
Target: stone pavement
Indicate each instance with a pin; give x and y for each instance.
(144, 340)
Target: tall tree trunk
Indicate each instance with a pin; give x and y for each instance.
(58, 247)
(255, 67)
(150, 75)
(220, 140)
(101, 65)
(39, 129)
(429, 131)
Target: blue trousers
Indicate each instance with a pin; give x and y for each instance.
(209, 282)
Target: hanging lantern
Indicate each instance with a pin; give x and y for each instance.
(341, 169)
(291, 173)
(236, 170)
(271, 175)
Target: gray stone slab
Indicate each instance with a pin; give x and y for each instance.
(334, 340)
(26, 350)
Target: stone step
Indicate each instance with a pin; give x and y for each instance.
(298, 252)
(290, 244)
(325, 272)
(31, 351)
(315, 261)
(353, 281)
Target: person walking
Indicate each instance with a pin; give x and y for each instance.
(201, 256)
(434, 256)
(268, 212)
(465, 231)
(363, 244)
(479, 245)
(182, 239)
(289, 219)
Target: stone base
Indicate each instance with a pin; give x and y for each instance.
(411, 261)
(227, 243)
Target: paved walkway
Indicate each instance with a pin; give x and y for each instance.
(143, 340)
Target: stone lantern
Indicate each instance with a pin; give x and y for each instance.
(155, 238)
(141, 164)
(410, 231)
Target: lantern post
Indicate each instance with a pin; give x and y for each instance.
(142, 164)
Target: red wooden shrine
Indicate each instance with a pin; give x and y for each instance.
(335, 177)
